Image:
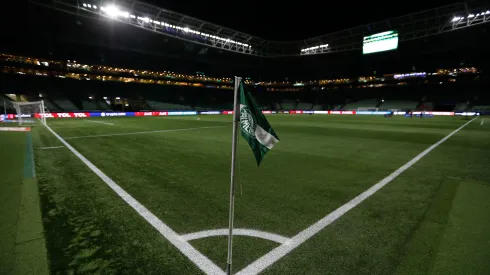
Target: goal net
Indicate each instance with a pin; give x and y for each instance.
(29, 112)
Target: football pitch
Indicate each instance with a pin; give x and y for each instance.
(336, 195)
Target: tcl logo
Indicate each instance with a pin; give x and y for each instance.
(80, 114)
(49, 115)
(148, 114)
(63, 115)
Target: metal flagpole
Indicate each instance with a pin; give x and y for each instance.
(234, 141)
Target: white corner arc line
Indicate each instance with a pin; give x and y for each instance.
(101, 122)
(145, 132)
(52, 147)
(201, 261)
(277, 253)
(236, 232)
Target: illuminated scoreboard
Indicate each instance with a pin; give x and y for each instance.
(380, 42)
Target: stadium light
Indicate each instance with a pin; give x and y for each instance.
(112, 11)
(314, 48)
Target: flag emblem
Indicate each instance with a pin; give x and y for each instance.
(255, 128)
(247, 121)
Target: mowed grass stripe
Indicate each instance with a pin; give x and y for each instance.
(183, 179)
(281, 251)
(188, 250)
(89, 229)
(12, 146)
(169, 173)
(144, 132)
(372, 238)
(78, 127)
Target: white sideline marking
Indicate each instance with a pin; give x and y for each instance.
(236, 232)
(281, 251)
(94, 121)
(481, 123)
(52, 147)
(145, 132)
(201, 261)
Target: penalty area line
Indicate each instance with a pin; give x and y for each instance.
(101, 122)
(145, 132)
(201, 261)
(277, 253)
(52, 147)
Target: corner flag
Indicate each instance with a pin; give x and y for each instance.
(254, 126)
(259, 135)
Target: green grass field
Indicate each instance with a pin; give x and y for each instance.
(431, 219)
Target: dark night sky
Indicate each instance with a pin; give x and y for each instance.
(295, 20)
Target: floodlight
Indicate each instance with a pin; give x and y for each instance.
(112, 11)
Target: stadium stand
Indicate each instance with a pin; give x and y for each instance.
(361, 104)
(50, 106)
(104, 106)
(426, 106)
(398, 105)
(304, 106)
(461, 106)
(161, 106)
(65, 104)
(481, 108)
(89, 106)
(288, 104)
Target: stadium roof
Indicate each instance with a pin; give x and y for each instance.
(184, 25)
(296, 20)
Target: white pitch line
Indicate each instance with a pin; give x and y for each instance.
(481, 123)
(274, 255)
(236, 232)
(52, 147)
(145, 132)
(201, 261)
(101, 122)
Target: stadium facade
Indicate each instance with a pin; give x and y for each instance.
(440, 63)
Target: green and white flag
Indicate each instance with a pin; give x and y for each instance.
(254, 126)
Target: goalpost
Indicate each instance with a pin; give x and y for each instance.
(27, 111)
